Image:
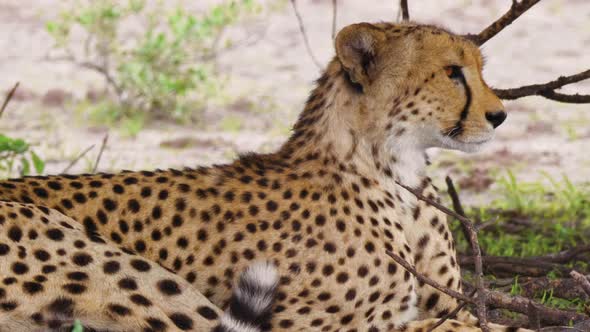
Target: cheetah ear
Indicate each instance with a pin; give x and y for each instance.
(356, 48)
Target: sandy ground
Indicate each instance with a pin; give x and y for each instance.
(271, 77)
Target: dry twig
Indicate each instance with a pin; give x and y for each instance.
(516, 9)
(546, 90)
(75, 160)
(102, 147)
(403, 5)
(428, 281)
(480, 301)
(304, 35)
(8, 98)
(457, 206)
(334, 15)
(450, 315)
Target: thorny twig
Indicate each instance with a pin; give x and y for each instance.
(304, 35)
(8, 98)
(102, 147)
(480, 301)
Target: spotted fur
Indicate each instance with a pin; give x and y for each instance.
(324, 208)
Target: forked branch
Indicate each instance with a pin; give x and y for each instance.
(516, 9)
(546, 90)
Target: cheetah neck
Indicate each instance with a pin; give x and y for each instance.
(331, 131)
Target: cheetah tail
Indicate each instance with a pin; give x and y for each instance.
(252, 299)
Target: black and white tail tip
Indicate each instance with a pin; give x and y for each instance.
(252, 299)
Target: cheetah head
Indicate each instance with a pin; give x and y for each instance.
(420, 85)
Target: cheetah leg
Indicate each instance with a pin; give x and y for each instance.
(53, 273)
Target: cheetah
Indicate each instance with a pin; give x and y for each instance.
(324, 208)
(47, 251)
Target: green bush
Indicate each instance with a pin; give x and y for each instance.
(165, 68)
(16, 153)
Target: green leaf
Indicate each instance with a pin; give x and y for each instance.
(25, 166)
(77, 326)
(38, 163)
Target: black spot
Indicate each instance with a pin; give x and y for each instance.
(4, 249)
(55, 234)
(82, 259)
(127, 283)
(207, 313)
(42, 255)
(109, 204)
(111, 267)
(19, 268)
(140, 300)
(140, 265)
(74, 288)
(119, 309)
(32, 287)
(182, 321)
(15, 233)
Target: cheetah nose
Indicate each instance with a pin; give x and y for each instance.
(496, 118)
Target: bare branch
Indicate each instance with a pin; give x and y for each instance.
(8, 98)
(565, 98)
(427, 280)
(102, 147)
(480, 301)
(403, 5)
(75, 160)
(516, 9)
(534, 318)
(546, 89)
(334, 15)
(457, 206)
(520, 304)
(450, 315)
(304, 35)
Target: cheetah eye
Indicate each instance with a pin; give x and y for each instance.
(453, 72)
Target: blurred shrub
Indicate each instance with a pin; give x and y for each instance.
(164, 67)
(16, 153)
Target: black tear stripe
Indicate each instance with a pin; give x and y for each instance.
(465, 110)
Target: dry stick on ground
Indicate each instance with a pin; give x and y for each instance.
(304, 35)
(403, 5)
(8, 98)
(102, 147)
(582, 281)
(497, 299)
(75, 160)
(480, 301)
